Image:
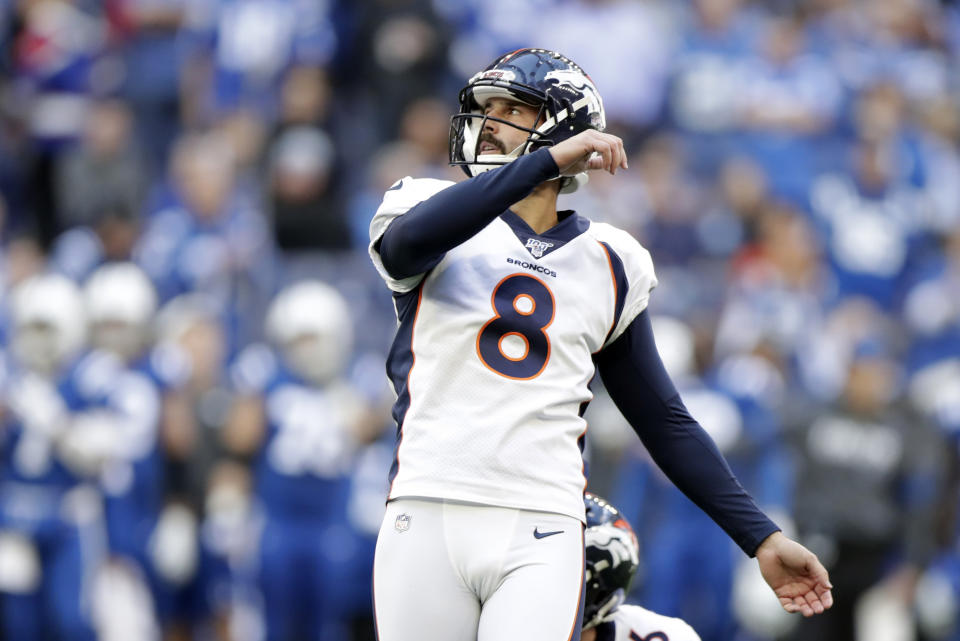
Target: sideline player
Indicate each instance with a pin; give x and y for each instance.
(506, 309)
(299, 420)
(612, 558)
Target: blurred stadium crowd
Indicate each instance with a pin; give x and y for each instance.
(195, 416)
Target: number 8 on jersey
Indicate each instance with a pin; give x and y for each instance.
(514, 343)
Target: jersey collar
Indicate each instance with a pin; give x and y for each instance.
(570, 226)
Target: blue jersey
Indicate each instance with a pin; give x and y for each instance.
(133, 481)
(57, 431)
(304, 464)
(40, 409)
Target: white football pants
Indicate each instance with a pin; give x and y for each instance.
(449, 571)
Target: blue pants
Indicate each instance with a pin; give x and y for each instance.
(305, 566)
(59, 608)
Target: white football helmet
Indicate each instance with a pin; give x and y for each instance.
(121, 303)
(310, 323)
(49, 322)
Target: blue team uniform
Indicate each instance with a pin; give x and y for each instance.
(134, 487)
(302, 483)
(51, 504)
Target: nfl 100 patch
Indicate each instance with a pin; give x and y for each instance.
(537, 247)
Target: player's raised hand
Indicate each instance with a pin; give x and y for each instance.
(589, 150)
(796, 575)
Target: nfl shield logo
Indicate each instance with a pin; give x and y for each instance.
(402, 523)
(537, 247)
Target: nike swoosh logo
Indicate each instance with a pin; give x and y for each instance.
(537, 534)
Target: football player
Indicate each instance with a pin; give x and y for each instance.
(65, 408)
(120, 304)
(507, 308)
(612, 559)
(298, 419)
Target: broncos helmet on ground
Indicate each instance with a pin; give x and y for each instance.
(566, 96)
(612, 559)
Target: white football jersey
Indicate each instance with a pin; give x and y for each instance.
(634, 623)
(493, 355)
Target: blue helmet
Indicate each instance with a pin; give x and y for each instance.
(565, 95)
(612, 559)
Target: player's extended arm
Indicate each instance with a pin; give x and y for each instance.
(638, 383)
(416, 241)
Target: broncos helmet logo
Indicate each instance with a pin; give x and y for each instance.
(620, 544)
(583, 93)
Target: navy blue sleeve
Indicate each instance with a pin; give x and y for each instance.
(416, 241)
(638, 383)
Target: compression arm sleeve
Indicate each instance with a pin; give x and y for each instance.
(416, 241)
(638, 383)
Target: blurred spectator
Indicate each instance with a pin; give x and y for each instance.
(639, 36)
(210, 239)
(147, 36)
(192, 326)
(309, 98)
(306, 212)
(673, 205)
(55, 77)
(287, 32)
(776, 290)
(932, 311)
(790, 100)
(704, 86)
(732, 215)
(425, 124)
(112, 237)
(244, 135)
(868, 223)
(900, 41)
(401, 48)
(486, 29)
(939, 149)
(103, 172)
(306, 97)
(20, 257)
(881, 467)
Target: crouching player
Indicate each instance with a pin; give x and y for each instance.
(612, 558)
